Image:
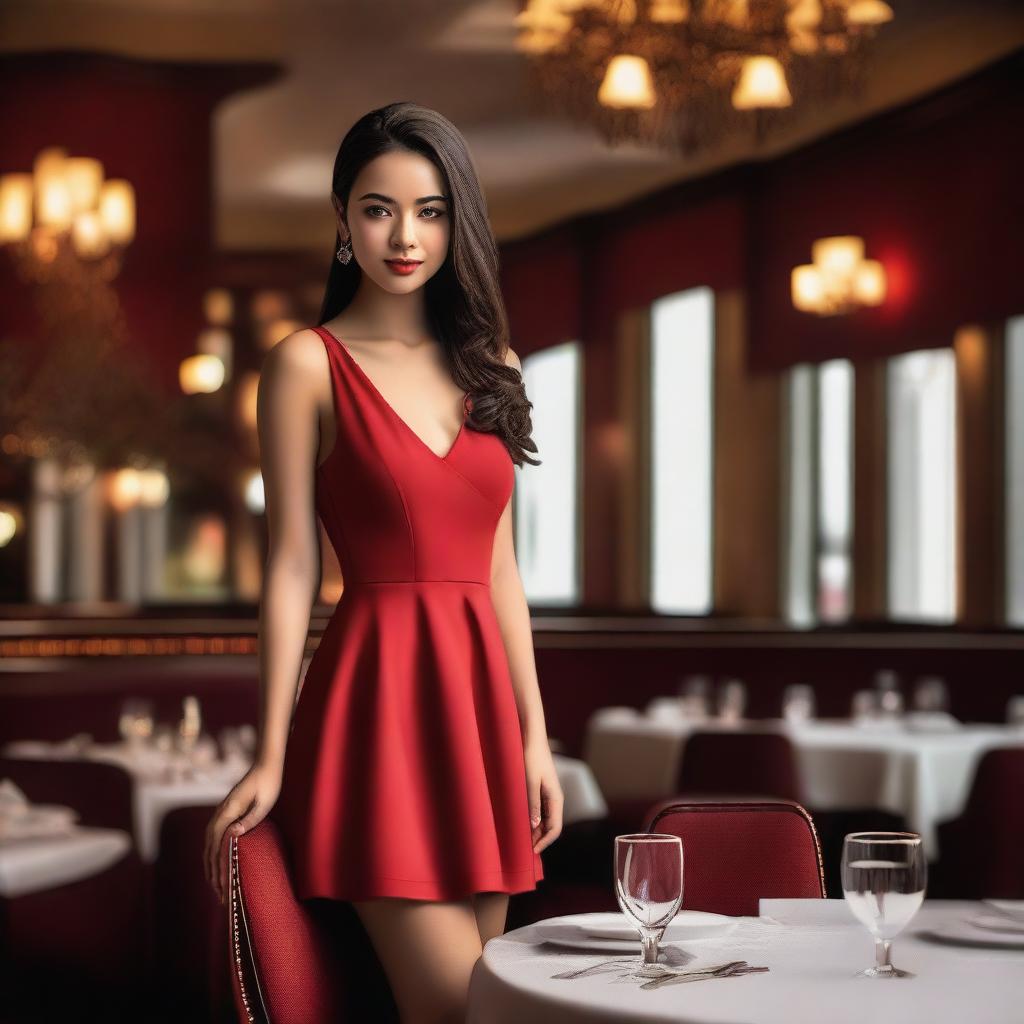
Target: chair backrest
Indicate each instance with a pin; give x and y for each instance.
(980, 852)
(295, 962)
(745, 763)
(738, 852)
(995, 796)
(100, 792)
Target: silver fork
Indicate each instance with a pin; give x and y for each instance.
(735, 969)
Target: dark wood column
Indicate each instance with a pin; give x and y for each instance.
(747, 471)
(980, 429)
(870, 490)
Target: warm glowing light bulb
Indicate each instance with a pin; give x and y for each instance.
(125, 489)
(762, 83)
(84, 176)
(16, 191)
(53, 203)
(201, 374)
(868, 12)
(87, 235)
(807, 288)
(869, 283)
(627, 84)
(839, 255)
(154, 487)
(117, 210)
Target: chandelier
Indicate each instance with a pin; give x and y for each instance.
(680, 74)
(65, 219)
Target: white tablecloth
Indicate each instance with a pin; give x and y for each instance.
(926, 777)
(813, 949)
(583, 798)
(152, 797)
(45, 862)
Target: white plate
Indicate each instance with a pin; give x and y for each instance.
(963, 933)
(612, 932)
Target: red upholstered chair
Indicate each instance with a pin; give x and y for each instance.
(980, 852)
(738, 852)
(747, 763)
(295, 962)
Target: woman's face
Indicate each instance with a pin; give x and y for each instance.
(398, 209)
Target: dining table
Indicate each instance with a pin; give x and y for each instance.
(36, 863)
(912, 767)
(161, 783)
(801, 962)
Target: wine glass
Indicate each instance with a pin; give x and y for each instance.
(649, 888)
(732, 701)
(798, 703)
(884, 876)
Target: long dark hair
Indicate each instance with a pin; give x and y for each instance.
(464, 302)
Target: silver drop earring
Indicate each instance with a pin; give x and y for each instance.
(345, 251)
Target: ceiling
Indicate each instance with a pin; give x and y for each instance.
(275, 147)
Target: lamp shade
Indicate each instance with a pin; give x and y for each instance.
(627, 84)
(762, 83)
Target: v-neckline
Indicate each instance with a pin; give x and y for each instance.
(364, 376)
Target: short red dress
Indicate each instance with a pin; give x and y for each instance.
(404, 772)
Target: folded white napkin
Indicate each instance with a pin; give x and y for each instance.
(20, 819)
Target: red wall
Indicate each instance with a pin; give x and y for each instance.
(148, 122)
(934, 188)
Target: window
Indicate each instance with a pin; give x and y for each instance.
(818, 516)
(922, 485)
(682, 363)
(546, 499)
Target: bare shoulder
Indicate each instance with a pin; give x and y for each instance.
(511, 359)
(299, 358)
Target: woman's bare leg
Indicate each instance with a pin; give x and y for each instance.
(491, 912)
(427, 949)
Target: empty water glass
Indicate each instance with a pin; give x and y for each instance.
(864, 707)
(135, 721)
(649, 888)
(890, 698)
(798, 703)
(1015, 711)
(931, 694)
(694, 697)
(884, 875)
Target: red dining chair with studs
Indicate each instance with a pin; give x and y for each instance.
(295, 961)
(737, 852)
(754, 764)
(749, 763)
(980, 851)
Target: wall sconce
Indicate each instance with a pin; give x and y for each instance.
(839, 280)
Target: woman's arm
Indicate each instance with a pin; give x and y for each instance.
(287, 420)
(513, 614)
(288, 427)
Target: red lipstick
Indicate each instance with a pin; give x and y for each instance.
(403, 266)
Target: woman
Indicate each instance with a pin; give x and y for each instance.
(417, 780)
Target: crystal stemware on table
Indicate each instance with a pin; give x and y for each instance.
(798, 703)
(649, 888)
(884, 875)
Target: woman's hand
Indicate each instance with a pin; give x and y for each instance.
(245, 806)
(545, 795)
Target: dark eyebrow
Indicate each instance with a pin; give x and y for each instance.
(394, 202)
